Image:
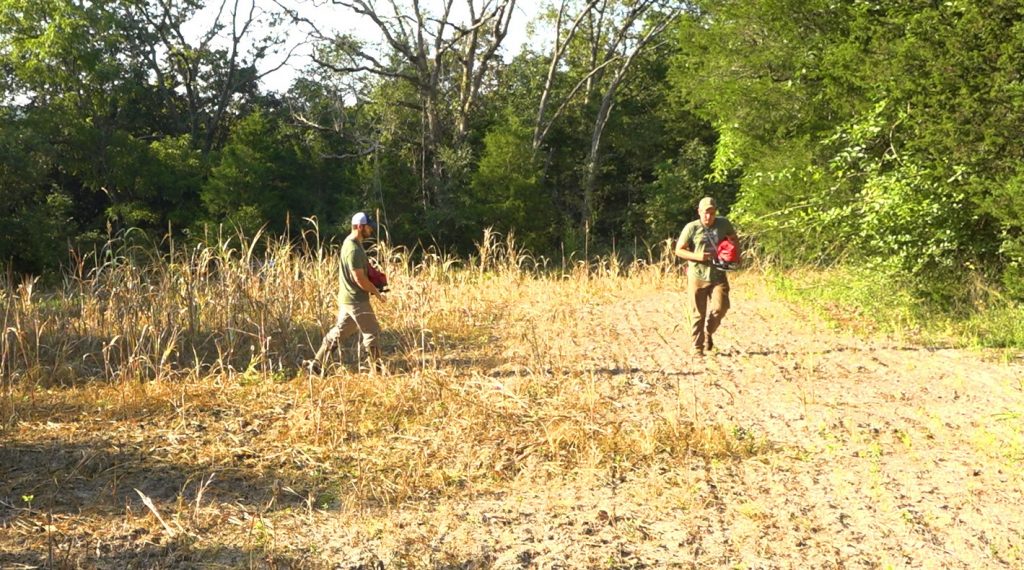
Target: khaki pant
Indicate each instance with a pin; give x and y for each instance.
(351, 318)
(709, 302)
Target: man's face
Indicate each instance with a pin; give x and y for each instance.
(365, 231)
(707, 216)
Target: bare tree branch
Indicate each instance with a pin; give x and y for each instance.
(557, 53)
(208, 78)
(654, 29)
(440, 58)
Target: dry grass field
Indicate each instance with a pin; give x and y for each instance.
(152, 416)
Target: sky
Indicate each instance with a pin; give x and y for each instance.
(331, 18)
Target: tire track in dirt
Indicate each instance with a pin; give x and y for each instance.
(872, 453)
(869, 453)
(655, 351)
(902, 453)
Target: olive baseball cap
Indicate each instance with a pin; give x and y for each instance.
(705, 203)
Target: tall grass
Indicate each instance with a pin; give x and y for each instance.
(168, 372)
(231, 304)
(480, 387)
(128, 312)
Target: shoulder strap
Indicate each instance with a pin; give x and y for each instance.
(691, 232)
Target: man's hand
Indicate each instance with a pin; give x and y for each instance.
(685, 253)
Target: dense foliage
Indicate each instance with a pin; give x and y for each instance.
(879, 134)
(119, 114)
(882, 133)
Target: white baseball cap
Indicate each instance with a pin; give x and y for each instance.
(361, 219)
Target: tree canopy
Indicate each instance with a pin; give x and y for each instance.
(880, 134)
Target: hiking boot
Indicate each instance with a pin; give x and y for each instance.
(697, 352)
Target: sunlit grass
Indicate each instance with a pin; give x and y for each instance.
(200, 342)
(153, 405)
(868, 302)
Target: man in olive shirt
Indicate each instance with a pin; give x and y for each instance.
(354, 310)
(707, 285)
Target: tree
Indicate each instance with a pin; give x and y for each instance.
(125, 104)
(269, 172)
(507, 192)
(599, 44)
(440, 58)
(74, 73)
(871, 132)
(199, 80)
(33, 214)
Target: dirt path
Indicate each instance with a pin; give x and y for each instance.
(900, 455)
(874, 454)
(845, 453)
(883, 454)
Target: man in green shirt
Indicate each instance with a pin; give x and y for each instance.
(355, 289)
(707, 285)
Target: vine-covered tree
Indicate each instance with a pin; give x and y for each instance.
(872, 132)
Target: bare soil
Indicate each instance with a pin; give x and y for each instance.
(847, 452)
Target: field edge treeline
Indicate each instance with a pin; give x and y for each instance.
(880, 141)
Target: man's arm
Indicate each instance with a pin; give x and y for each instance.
(683, 250)
(365, 284)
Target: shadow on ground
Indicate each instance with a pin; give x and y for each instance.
(101, 477)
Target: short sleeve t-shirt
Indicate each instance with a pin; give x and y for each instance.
(353, 257)
(701, 239)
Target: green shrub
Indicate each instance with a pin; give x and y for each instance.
(869, 301)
